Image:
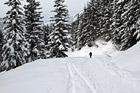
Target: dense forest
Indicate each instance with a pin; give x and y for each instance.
(25, 38)
(116, 20)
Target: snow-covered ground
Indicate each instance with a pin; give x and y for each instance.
(129, 60)
(108, 71)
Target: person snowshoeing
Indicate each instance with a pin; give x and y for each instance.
(90, 54)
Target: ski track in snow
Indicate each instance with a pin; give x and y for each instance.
(70, 75)
(104, 77)
(78, 83)
(126, 76)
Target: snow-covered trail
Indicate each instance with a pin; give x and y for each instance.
(97, 75)
(69, 75)
(77, 83)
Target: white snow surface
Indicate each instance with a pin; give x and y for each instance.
(108, 71)
(129, 59)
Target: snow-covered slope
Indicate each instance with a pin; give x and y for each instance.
(41, 76)
(129, 60)
(78, 73)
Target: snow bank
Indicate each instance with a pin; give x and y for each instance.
(41, 76)
(129, 60)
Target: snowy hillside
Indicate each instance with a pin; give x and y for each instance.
(78, 73)
(129, 60)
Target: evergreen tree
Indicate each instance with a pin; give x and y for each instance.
(79, 33)
(46, 31)
(90, 24)
(117, 23)
(1, 38)
(84, 28)
(1, 44)
(74, 30)
(14, 50)
(106, 14)
(34, 32)
(137, 31)
(130, 23)
(60, 34)
(126, 23)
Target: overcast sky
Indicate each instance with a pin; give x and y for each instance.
(74, 6)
